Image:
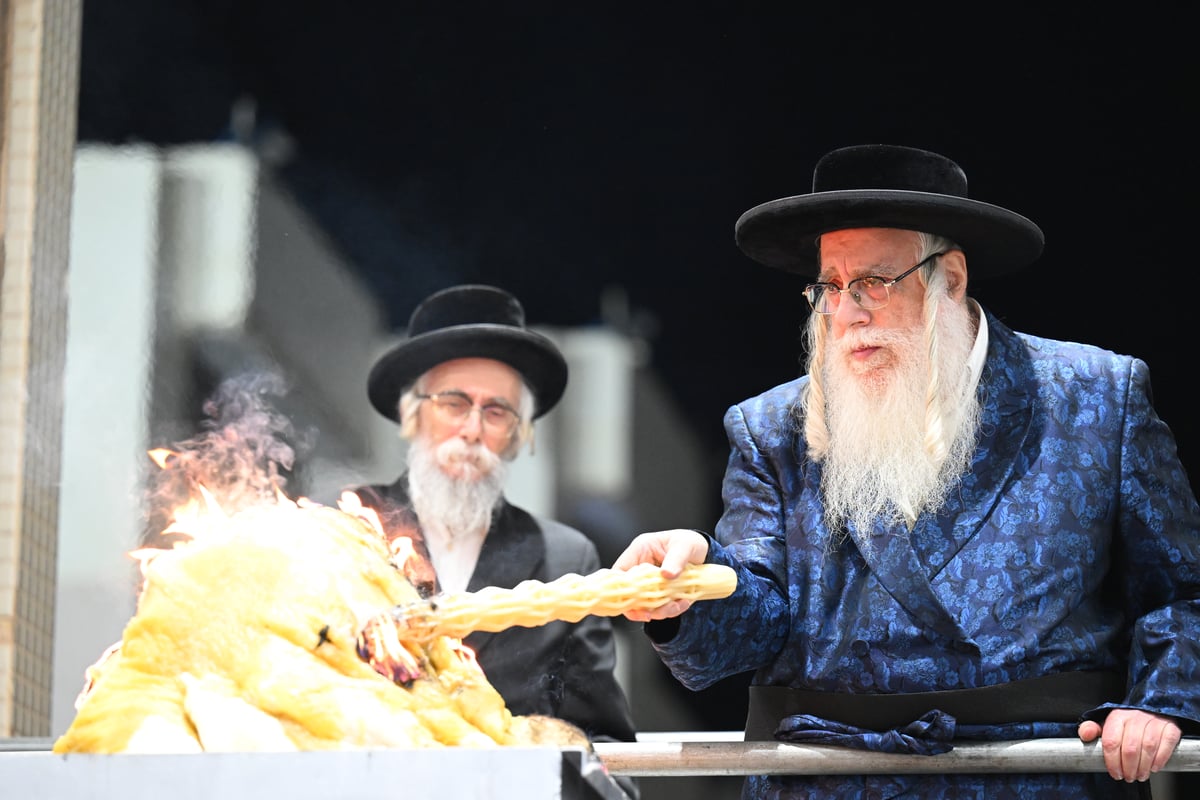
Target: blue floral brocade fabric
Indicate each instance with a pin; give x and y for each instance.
(1071, 544)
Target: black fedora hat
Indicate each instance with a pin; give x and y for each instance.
(887, 186)
(470, 321)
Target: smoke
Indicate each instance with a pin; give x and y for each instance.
(243, 455)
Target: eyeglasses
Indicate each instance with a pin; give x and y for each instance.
(870, 291)
(455, 407)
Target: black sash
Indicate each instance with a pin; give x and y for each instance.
(1061, 697)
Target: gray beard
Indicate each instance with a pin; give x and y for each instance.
(877, 468)
(450, 506)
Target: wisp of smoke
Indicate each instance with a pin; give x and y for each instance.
(243, 453)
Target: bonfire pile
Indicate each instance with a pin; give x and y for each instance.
(247, 637)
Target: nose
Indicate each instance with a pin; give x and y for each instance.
(847, 314)
(471, 427)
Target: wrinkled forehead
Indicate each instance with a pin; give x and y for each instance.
(867, 238)
(864, 250)
(485, 376)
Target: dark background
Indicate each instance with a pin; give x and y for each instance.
(562, 149)
(566, 149)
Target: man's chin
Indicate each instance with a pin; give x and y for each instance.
(871, 380)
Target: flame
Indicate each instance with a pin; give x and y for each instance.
(202, 515)
(161, 456)
(379, 642)
(352, 504)
(380, 646)
(401, 547)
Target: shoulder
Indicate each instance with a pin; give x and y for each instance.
(776, 402)
(378, 495)
(767, 420)
(1067, 361)
(559, 530)
(558, 534)
(567, 549)
(565, 539)
(1078, 363)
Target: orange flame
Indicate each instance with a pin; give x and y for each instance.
(400, 547)
(380, 646)
(379, 643)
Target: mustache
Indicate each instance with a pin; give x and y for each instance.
(855, 339)
(455, 451)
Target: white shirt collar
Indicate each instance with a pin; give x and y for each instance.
(979, 350)
(454, 557)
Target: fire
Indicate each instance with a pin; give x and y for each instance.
(380, 646)
(161, 456)
(250, 618)
(249, 636)
(203, 516)
(401, 546)
(203, 513)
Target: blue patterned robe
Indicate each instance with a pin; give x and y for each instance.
(1072, 544)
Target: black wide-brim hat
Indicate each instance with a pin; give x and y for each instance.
(470, 321)
(887, 186)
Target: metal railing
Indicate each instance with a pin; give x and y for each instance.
(678, 753)
(658, 755)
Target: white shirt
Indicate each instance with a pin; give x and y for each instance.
(453, 555)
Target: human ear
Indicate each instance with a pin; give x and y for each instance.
(954, 265)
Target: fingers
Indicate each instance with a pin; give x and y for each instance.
(1136, 743)
(1168, 734)
(684, 547)
(645, 548)
(672, 550)
(669, 609)
(1113, 744)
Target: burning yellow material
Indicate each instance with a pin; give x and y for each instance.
(245, 638)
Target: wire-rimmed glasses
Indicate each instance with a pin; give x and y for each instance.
(455, 407)
(871, 292)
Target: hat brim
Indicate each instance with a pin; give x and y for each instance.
(783, 233)
(531, 354)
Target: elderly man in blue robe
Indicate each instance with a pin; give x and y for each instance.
(945, 530)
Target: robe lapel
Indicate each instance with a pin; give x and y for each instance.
(1006, 419)
(1009, 405)
(895, 565)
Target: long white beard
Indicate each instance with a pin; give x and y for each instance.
(448, 505)
(877, 466)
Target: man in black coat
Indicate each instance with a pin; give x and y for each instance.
(465, 387)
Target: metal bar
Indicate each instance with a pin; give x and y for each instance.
(691, 753)
(455, 773)
(673, 758)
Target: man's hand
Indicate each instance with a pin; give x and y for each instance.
(672, 550)
(1135, 743)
